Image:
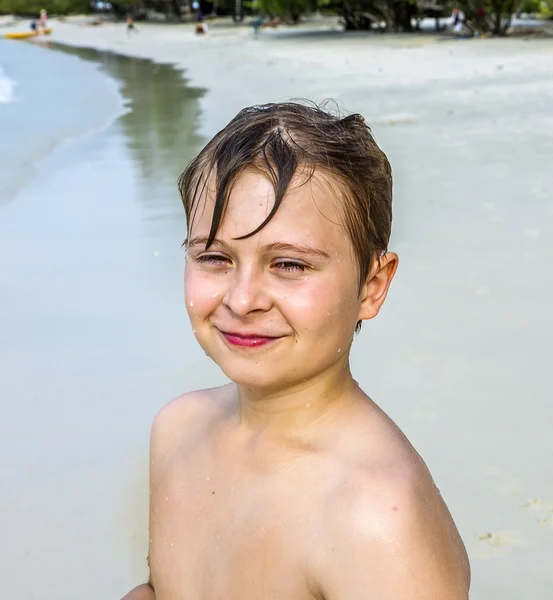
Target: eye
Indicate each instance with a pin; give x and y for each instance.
(290, 266)
(213, 259)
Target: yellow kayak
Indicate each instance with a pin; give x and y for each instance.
(23, 35)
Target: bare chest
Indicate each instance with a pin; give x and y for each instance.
(227, 534)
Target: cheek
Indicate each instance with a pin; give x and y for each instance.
(202, 293)
(325, 303)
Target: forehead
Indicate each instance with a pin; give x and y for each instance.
(310, 210)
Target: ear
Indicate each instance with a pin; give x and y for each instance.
(376, 286)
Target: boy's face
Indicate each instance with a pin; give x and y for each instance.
(280, 307)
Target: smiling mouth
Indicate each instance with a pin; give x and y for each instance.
(247, 341)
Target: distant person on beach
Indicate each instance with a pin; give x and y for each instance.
(290, 482)
(34, 27)
(457, 19)
(259, 23)
(201, 27)
(43, 19)
(131, 27)
(480, 15)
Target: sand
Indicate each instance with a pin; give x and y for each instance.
(460, 355)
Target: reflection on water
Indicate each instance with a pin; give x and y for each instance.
(160, 126)
(93, 334)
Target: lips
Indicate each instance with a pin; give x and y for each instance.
(252, 340)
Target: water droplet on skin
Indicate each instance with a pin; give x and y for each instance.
(339, 350)
(308, 405)
(213, 295)
(166, 498)
(191, 303)
(172, 544)
(193, 331)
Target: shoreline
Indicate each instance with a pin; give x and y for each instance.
(234, 69)
(61, 129)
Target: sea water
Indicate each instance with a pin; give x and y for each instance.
(6, 88)
(46, 99)
(93, 333)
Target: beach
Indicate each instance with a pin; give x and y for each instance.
(94, 338)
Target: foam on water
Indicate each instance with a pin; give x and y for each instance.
(7, 86)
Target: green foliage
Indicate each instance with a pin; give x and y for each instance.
(33, 7)
(546, 9)
(499, 14)
(543, 8)
(529, 7)
(289, 9)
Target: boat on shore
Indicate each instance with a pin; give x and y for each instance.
(24, 35)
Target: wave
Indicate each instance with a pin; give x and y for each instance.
(7, 86)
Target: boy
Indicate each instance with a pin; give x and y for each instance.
(290, 483)
(130, 25)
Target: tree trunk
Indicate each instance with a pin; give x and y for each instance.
(176, 9)
(502, 16)
(403, 12)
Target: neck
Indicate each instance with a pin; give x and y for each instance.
(298, 407)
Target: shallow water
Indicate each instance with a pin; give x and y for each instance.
(93, 333)
(53, 99)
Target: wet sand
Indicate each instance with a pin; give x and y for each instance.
(459, 356)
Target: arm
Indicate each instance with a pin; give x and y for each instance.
(146, 590)
(142, 592)
(159, 434)
(397, 543)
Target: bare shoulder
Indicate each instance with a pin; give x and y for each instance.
(390, 531)
(186, 416)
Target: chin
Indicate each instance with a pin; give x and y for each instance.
(251, 376)
(255, 368)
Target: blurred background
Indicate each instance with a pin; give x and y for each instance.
(102, 105)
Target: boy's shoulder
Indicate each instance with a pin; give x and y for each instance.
(190, 412)
(386, 509)
(380, 471)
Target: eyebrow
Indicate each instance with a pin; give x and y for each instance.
(275, 247)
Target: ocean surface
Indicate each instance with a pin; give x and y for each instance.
(46, 102)
(6, 87)
(94, 338)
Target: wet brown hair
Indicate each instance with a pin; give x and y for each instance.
(290, 138)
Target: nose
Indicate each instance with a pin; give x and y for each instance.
(247, 292)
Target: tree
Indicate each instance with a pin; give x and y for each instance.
(498, 14)
(362, 14)
(33, 7)
(291, 10)
(501, 14)
(546, 9)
